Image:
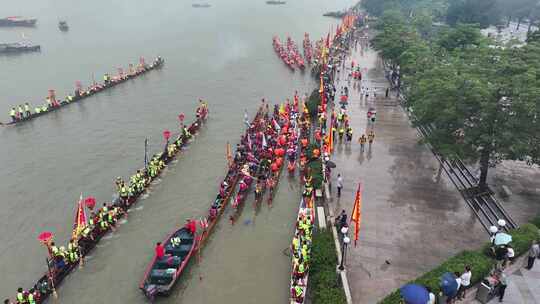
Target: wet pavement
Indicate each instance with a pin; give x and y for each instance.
(411, 220)
(222, 54)
(522, 181)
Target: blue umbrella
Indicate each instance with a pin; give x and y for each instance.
(449, 284)
(414, 294)
(502, 238)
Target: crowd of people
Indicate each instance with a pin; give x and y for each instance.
(63, 258)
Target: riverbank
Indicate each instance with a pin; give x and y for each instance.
(411, 221)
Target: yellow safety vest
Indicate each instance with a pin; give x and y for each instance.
(12, 112)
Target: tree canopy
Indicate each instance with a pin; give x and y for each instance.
(480, 100)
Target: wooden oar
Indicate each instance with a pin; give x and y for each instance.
(51, 278)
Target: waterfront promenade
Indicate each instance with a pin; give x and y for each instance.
(411, 220)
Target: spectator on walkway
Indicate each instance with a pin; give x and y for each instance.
(339, 184)
(534, 252)
(387, 92)
(510, 255)
(503, 282)
(431, 296)
(341, 220)
(362, 140)
(465, 282)
(371, 137)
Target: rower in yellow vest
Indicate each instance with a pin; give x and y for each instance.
(296, 243)
(54, 250)
(27, 109)
(299, 292)
(21, 112)
(301, 268)
(31, 297)
(305, 254)
(20, 295)
(13, 114)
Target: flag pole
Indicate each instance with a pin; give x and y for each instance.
(146, 153)
(51, 278)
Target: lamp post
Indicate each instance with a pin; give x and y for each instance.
(502, 224)
(346, 241)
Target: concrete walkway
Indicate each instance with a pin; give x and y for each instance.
(523, 286)
(411, 220)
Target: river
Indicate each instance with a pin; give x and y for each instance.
(223, 54)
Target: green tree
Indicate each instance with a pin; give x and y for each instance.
(459, 37)
(479, 105)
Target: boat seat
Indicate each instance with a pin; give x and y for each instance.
(186, 238)
(168, 262)
(162, 276)
(179, 251)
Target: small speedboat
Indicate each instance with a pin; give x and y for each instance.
(161, 274)
(63, 26)
(201, 5)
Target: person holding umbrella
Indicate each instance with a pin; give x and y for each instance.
(414, 294)
(449, 286)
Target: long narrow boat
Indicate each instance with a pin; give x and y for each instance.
(54, 276)
(227, 188)
(157, 281)
(308, 50)
(81, 94)
(300, 281)
(162, 274)
(291, 123)
(251, 168)
(282, 53)
(292, 48)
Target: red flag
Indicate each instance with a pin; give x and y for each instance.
(356, 215)
(80, 219)
(330, 146)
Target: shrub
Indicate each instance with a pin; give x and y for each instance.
(522, 238)
(316, 173)
(325, 285)
(313, 103)
(536, 221)
(481, 261)
(481, 266)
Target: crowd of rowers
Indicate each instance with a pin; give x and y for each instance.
(24, 111)
(62, 258)
(103, 219)
(142, 178)
(267, 142)
(302, 239)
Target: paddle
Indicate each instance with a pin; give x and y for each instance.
(51, 278)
